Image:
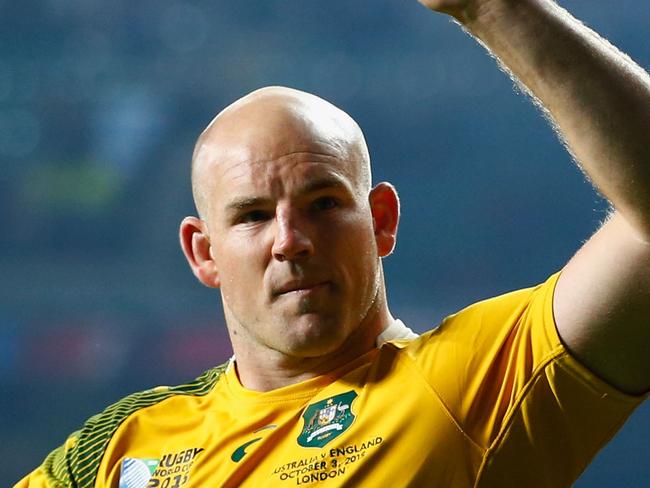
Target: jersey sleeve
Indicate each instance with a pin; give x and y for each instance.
(76, 463)
(504, 375)
(56, 470)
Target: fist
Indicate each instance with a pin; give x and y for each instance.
(457, 8)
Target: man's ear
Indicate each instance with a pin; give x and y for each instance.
(384, 206)
(195, 243)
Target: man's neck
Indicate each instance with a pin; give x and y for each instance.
(263, 369)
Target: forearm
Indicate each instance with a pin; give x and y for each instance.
(597, 97)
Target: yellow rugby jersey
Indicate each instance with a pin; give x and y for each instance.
(489, 398)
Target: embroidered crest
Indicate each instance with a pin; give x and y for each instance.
(327, 419)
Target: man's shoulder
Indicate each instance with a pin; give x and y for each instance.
(487, 321)
(76, 462)
(110, 418)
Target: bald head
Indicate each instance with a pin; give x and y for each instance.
(273, 122)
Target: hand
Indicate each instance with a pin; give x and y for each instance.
(463, 10)
(451, 7)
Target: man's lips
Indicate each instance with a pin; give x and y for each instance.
(299, 287)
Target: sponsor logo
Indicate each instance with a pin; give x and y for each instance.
(327, 419)
(240, 452)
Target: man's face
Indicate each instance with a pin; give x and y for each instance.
(292, 238)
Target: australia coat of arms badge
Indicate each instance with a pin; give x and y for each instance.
(327, 419)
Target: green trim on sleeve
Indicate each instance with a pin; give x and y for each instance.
(75, 464)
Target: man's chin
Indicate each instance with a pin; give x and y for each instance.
(314, 337)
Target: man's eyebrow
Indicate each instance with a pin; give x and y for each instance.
(324, 183)
(246, 202)
(315, 185)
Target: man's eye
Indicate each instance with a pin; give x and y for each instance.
(253, 216)
(325, 203)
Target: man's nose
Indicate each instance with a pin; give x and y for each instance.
(291, 240)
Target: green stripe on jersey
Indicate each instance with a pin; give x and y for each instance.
(75, 464)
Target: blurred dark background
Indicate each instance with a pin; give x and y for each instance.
(100, 103)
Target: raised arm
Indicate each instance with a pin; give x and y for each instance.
(599, 100)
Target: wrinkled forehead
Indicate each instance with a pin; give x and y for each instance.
(288, 179)
(274, 138)
(276, 133)
(250, 175)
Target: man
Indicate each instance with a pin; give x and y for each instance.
(325, 385)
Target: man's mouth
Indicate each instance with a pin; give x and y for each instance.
(300, 287)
